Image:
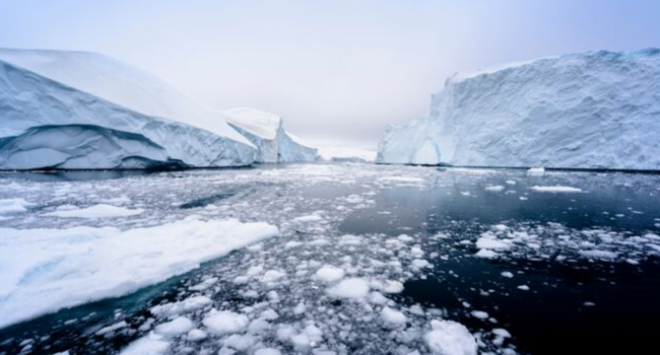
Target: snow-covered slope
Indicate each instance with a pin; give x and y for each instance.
(46, 124)
(588, 110)
(121, 84)
(265, 130)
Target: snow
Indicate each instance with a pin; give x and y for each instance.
(392, 317)
(225, 322)
(329, 274)
(266, 131)
(96, 211)
(585, 110)
(560, 189)
(57, 126)
(45, 270)
(450, 338)
(267, 351)
(352, 288)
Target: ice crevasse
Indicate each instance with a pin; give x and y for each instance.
(587, 110)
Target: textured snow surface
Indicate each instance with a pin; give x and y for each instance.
(589, 110)
(50, 125)
(44, 270)
(265, 130)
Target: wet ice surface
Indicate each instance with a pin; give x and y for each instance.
(370, 260)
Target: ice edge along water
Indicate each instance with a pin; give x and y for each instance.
(77, 265)
(586, 110)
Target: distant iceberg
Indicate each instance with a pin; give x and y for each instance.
(265, 130)
(589, 110)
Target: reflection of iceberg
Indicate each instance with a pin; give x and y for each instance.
(588, 110)
(265, 130)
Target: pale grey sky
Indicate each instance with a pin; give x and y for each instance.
(339, 69)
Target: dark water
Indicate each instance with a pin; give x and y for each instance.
(578, 306)
(552, 317)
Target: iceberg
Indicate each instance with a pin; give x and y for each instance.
(49, 125)
(265, 130)
(596, 110)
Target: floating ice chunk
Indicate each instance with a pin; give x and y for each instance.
(599, 254)
(507, 274)
(151, 344)
(486, 254)
(269, 314)
(267, 351)
(540, 171)
(94, 212)
(405, 238)
(69, 267)
(523, 287)
(13, 205)
(488, 242)
(329, 274)
(175, 327)
(556, 188)
(272, 276)
(196, 335)
(225, 322)
(112, 328)
(204, 285)
(300, 308)
(377, 298)
(419, 264)
(354, 288)
(589, 304)
(495, 188)
(392, 286)
(308, 338)
(185, 306)
(392, 317)
(239, 342)
(258, 326)
(450, 338)
(500, 335)
(308, 218)
(479, 314)
(292, 244)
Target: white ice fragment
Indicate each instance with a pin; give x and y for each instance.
(225, 322)
(377, 298)
(13, 205)
(392, 317)
(272, 276)
(523, 287)
(479, 314)
(175, 327)
(450, 338)
(329, 274)
(556, 188)
(196, 335)
(267, 351)
(486, 254)
(507, 274)
(352, 288)
(150, 344)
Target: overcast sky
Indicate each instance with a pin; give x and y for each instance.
(339, 70)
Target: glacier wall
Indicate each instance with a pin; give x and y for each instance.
(588, 110)
(46, 124)
(266, 131)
